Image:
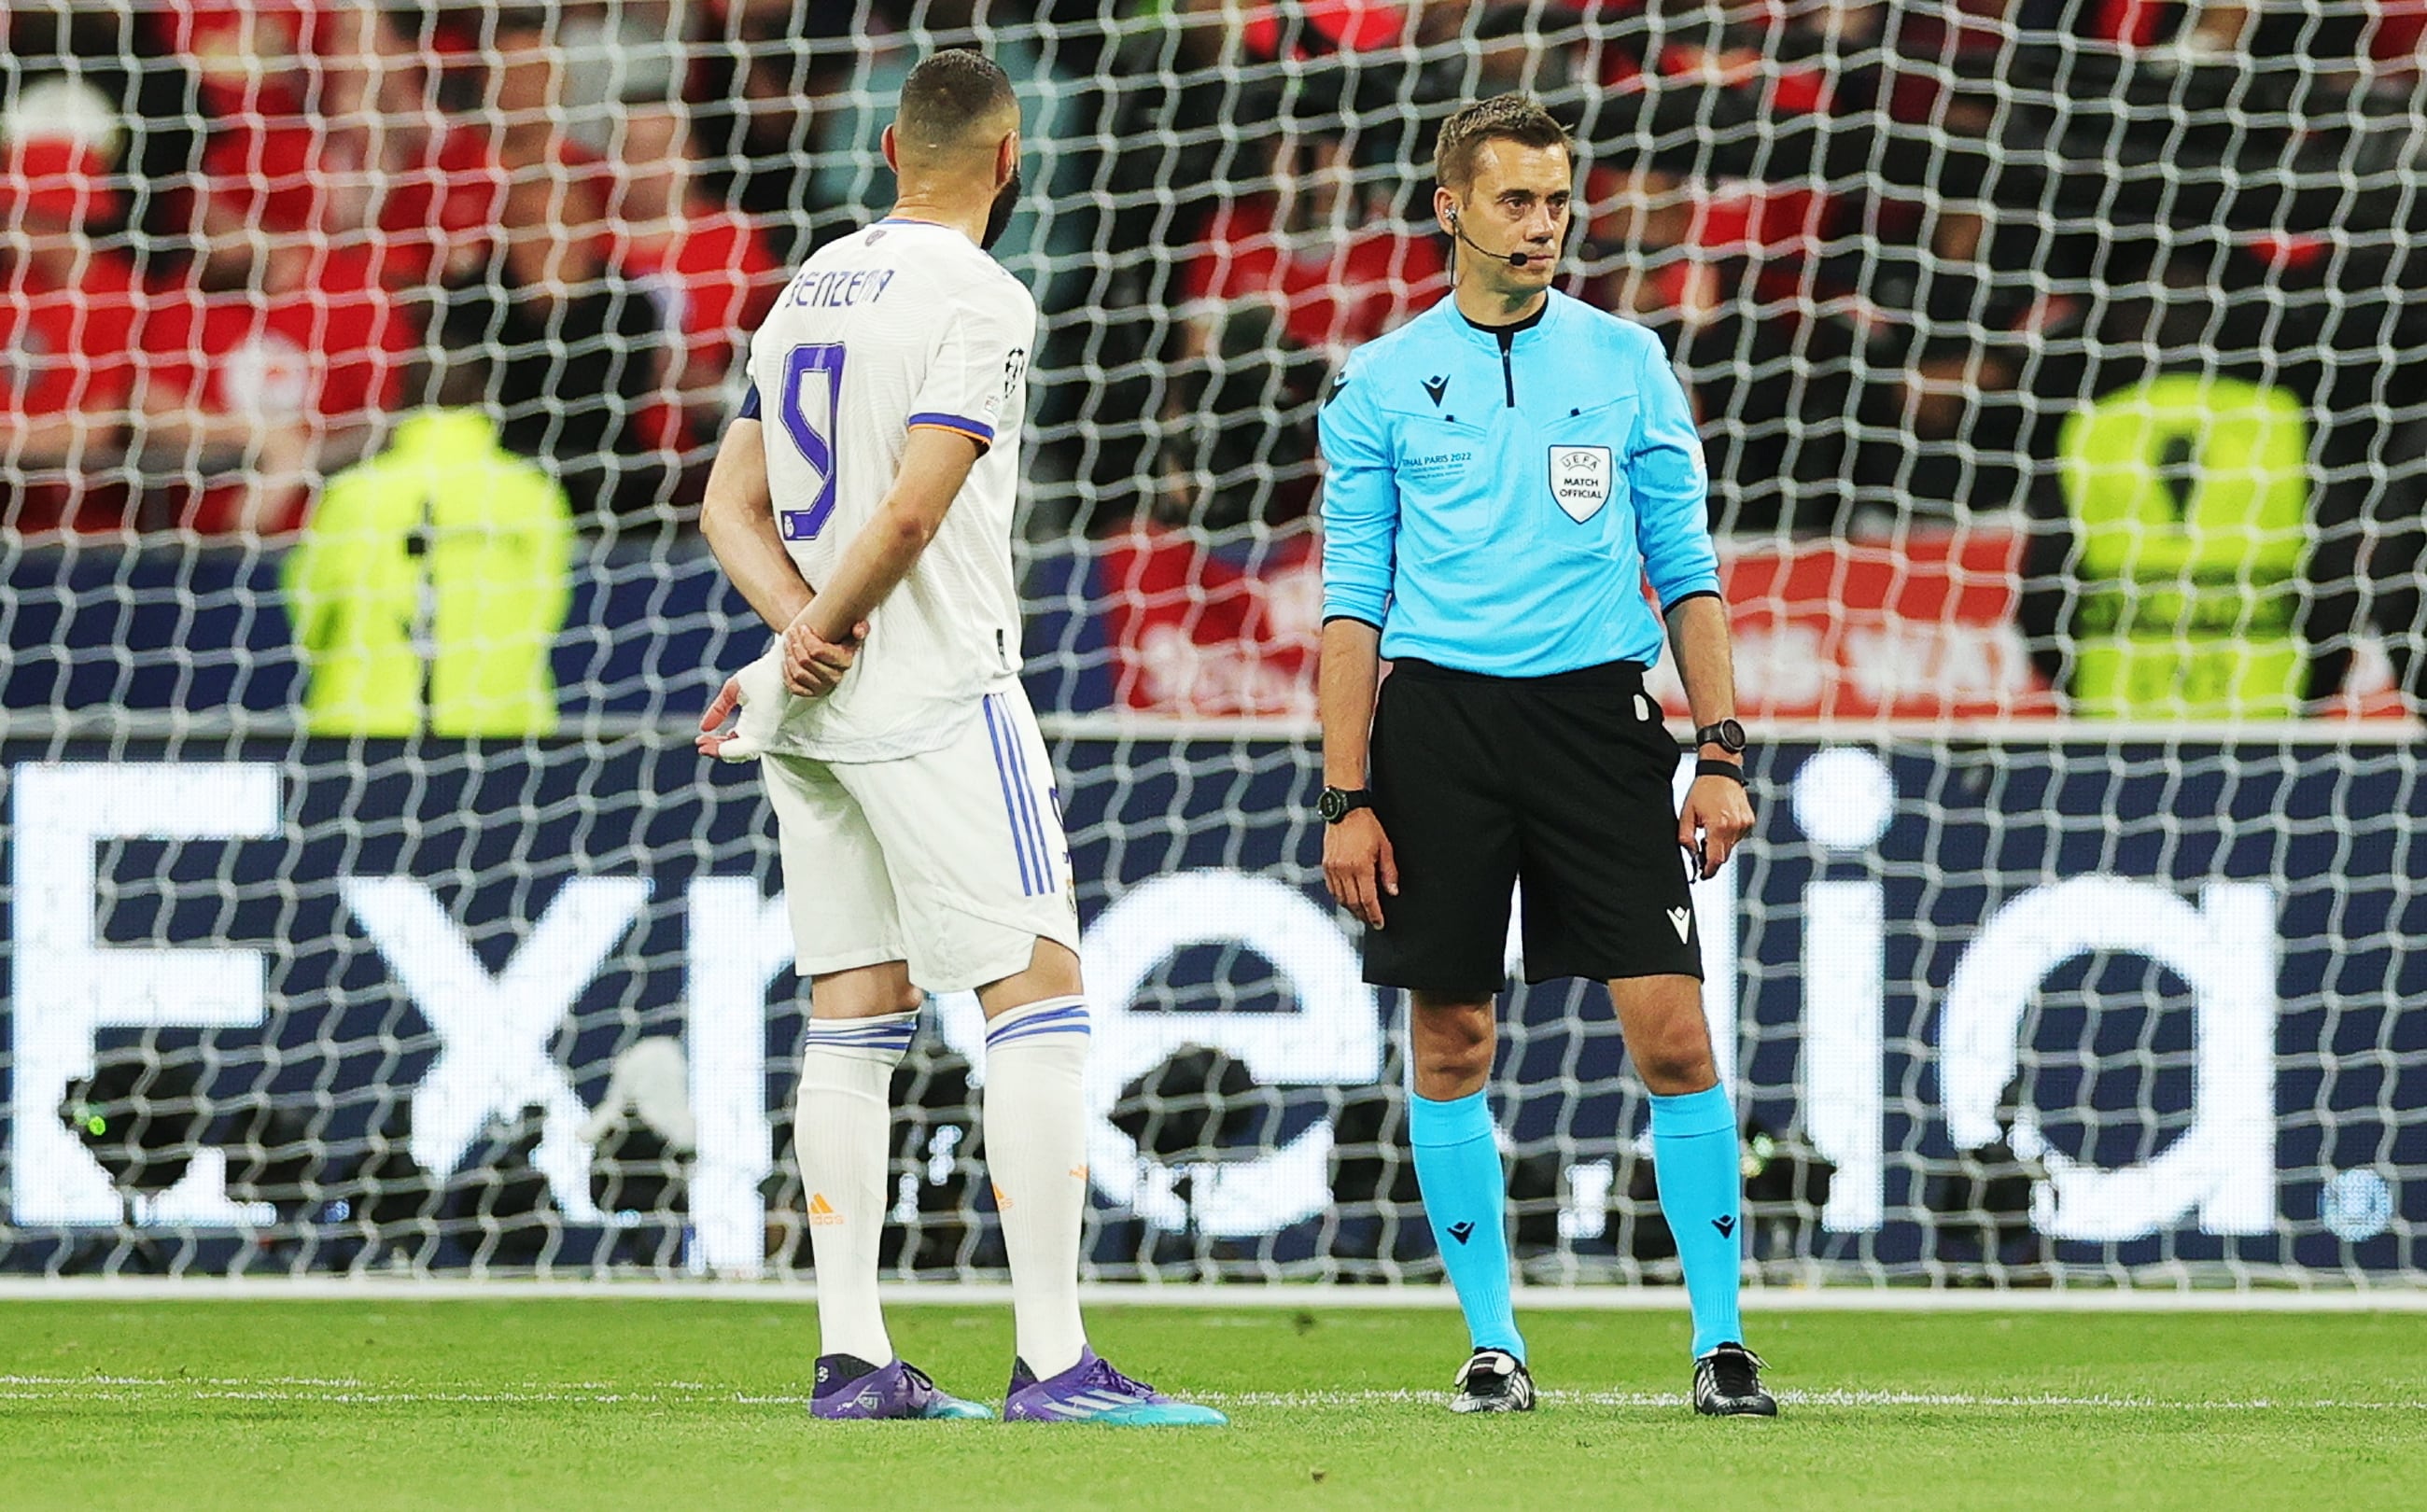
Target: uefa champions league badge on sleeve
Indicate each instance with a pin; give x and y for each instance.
(1580, 480)
(1015, 367)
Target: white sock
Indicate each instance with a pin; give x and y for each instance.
(843, 1122)
(1036, 1152)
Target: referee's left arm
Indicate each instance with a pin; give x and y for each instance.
(1672, 492)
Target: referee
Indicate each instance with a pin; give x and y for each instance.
(1502, 476)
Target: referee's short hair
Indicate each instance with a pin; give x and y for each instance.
(1518, 118)
(950, 94)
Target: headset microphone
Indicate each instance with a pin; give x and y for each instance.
(1514, 259)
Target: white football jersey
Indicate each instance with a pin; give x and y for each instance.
(902, 324)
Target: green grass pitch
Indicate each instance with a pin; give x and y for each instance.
(600, 1403)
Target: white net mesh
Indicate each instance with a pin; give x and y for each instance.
(2061, 376)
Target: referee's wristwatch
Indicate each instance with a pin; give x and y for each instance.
(1339, 803)
(1729, 736)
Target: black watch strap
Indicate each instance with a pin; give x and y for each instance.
(1714, 767)
(1336, 803)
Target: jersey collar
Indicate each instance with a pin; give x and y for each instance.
(1496, 336)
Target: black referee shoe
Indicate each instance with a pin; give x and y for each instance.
(1494, 1380)
(1727, 1384)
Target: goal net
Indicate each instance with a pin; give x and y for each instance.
(2061, 375)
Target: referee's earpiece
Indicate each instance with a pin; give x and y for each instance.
(1514, 259)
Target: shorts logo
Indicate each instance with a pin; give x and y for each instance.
(1684, 921)
(1580, 480)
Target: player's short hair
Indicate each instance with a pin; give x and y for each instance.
(1518, 118)
(950, 93)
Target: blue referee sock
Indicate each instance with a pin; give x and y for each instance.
(1702, 1195)
(1466, 1197)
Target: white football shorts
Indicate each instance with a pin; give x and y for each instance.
(953, 860)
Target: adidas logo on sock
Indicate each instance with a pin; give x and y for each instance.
(1725, 1226)
(822, 1212)
(1459, 1230)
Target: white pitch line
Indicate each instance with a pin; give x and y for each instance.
(340, 1393)
(1790, 1397)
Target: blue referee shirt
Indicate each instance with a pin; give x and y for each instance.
(1495, 500)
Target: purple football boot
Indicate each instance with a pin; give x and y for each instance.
(1093, 1391)
(851, 1390)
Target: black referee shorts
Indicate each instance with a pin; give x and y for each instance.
(1560, 782)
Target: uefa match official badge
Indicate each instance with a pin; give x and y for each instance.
(1580, 480)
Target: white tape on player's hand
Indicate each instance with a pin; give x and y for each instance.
(760, 708)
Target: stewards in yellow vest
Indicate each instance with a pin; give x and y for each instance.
(430, 585)
(2189, 502)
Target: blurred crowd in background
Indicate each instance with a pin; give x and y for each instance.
(1892, 245)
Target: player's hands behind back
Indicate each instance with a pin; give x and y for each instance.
(1358, 865)
(1717, 816)
(752, 698)
(803, 663)
(813, 665)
